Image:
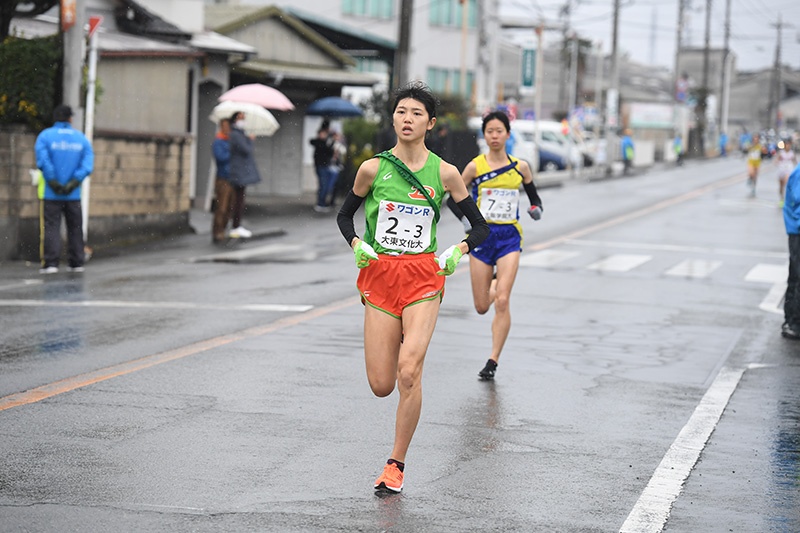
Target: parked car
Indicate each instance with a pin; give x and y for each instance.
(571, 147)
(524, 149)
(555, 148)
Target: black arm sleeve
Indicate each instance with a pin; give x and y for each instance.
(480, 229)
(454, 207)
(533, 196)
(345, 217)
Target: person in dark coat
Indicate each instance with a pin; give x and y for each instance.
(242, 170)
(323, 158)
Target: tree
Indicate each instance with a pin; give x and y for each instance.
(10, 9)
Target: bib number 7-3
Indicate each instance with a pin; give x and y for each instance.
(499, 205)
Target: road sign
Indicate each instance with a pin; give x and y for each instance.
(94, 23)
(528, 67)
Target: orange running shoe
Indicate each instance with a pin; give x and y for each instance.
(391, 479)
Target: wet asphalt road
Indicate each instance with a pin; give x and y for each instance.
(644, 386)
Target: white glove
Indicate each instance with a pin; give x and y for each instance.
(449, 259)
(364, 253)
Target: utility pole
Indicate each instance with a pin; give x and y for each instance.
(702, 101)
(653, 26)
(598, 87)
(775, 87)
(400, 74)
(678, 45)
(563, 72)
(726, 73)
(612, 96)
(573, 74)
(488, 35)
(72, 22)
(464, 23)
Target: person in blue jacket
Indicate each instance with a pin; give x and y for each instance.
(791, 219)
(65, 158)
(627, 151)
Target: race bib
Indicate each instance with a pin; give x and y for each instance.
(404, 227)
(499, 205)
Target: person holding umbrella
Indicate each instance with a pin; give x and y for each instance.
(243, 171)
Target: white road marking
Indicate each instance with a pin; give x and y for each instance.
(773, 302)
(678, 248)
(694, 268)
(653, 507)
(768, 273)
(22, 283)
(775, 274)
(546, 258)
(620, 262)
(278, 308)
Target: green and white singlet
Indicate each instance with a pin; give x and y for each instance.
(399, 219)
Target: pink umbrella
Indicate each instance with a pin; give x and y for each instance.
(256, 93)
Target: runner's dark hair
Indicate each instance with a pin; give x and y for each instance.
(420, 92)
(496, 115)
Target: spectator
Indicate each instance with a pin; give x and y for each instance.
(337, 165)
(243, 172)
(791, 218)
(65, 158)
(223, 190)
(723, 144)
(627, 151)
(323, 157)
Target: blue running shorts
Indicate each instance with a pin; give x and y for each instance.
(503, 239)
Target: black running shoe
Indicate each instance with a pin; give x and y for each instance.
(488, 370)
(790, 332)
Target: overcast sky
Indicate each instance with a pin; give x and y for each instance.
(647, 29)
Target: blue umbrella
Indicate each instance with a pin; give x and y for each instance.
(333, 106)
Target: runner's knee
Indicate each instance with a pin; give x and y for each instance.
(381, 387)
(501, 303)
(408, 377)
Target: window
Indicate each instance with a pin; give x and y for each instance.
(381, 9)
(449, 13)
(447, 81)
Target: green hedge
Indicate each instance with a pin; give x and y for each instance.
(28, 81)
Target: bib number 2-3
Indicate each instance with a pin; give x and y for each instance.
(404, 227)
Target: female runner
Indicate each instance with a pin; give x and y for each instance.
(495, 179)
(754, 154)
(787, 160)
(401, 281)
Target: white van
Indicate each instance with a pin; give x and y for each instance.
(554, 146)
(554, 141)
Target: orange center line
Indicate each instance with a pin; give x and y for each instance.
(96, 376)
